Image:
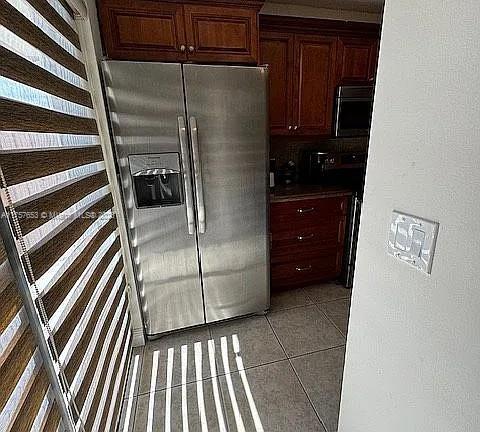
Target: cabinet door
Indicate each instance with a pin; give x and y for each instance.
(218, 34)
(357, 59)
(314, 80)
(276, 50)
(143, 30)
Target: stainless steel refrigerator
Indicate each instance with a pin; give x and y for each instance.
(191, 145)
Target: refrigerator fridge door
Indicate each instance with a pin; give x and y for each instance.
(227, 112)
(147, 110)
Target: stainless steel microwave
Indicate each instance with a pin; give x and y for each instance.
(353, 110)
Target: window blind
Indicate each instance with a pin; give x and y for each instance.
(26, 399)
(59, 205)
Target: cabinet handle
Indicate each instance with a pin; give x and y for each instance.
(191, 48)
(307, 237)
(183, 48)
(295, 127)
(290, 127)
(305, 210)
(302, 269)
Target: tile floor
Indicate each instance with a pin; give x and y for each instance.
(279, 372)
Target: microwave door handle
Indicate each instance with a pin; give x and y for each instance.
(197, 175)
(337, 117)
(187, 180)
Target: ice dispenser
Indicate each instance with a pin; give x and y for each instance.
(157, 179)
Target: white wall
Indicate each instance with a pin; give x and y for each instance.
(413, 350)
(272, 8)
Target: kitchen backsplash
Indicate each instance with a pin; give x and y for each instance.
(284, 149)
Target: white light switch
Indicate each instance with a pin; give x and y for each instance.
(412, 240)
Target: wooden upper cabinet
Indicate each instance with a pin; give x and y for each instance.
(143, 30)
(276, 51)
(357, 59)
(221, 34)
(308, 59)
(314, 84)
(181, 31)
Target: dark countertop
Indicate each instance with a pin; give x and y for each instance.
(304, 191)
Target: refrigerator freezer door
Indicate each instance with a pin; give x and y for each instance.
(227, 112)
(147, 109)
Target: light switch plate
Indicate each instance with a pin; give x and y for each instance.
(412, 240)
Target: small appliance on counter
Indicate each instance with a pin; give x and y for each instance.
(330, 168)
(287, 173)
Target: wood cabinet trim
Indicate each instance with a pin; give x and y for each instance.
(318, 26)
(249, 4)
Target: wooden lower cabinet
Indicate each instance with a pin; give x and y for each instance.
(307, 240)
(310, 268)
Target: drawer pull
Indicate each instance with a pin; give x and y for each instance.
(302, 269)
(305, 210)
(307, 237)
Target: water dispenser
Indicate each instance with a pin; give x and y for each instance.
(157, 179)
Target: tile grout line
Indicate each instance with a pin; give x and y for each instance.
(317, 304)
(313, 303)
(326, 301)
(222, 374)
(331, 321)
(290, 308)
(317, 307)
(331, 301)
(316, 351)
(296, 375)
(141, 393)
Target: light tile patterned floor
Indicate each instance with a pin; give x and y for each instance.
(276, 373)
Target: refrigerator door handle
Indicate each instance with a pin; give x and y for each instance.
(197, 174)
(187, 181)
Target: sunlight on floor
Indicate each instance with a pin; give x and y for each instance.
(197, 351)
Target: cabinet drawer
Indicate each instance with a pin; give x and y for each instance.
(305, 270)
(305, 213)
(326, 235)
